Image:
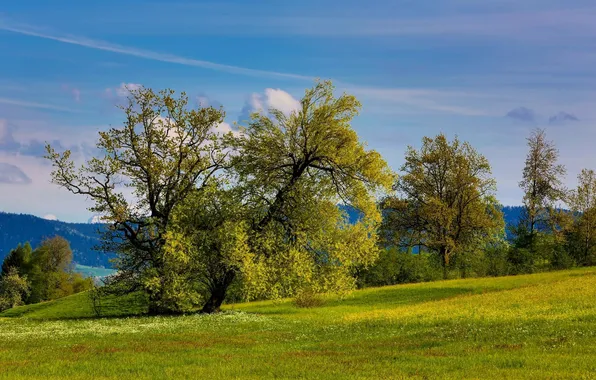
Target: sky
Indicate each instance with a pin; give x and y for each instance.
(487, 71)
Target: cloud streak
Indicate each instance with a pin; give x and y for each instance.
(23, 103)
(141, 53)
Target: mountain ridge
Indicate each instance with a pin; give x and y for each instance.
(84, 237)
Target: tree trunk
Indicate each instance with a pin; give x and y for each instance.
(218, 293)
(445, 261)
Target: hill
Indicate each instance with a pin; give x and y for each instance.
(533, 326)
(83, 237)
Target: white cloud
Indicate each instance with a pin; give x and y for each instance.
(281, 100)
(50, 217)
(125, 88)
(270, 98)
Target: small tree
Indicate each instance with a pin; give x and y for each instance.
(445, 201)
(14, 289)
(582, 202)
(542, 186)
(50, 266)
(18, 258)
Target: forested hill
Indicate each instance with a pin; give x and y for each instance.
(20, 228)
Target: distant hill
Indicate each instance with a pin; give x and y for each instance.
(83, 237)
(512, 215)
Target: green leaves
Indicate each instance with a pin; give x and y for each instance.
(294, 170)
(187, 219)
(446, 200)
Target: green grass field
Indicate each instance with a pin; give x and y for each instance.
(535, 326)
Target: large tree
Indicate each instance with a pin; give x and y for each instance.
(277, 223)
(542, 185)
(445, 200)
(164, 151)
(271, 217)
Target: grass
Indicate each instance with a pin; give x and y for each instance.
(535, 326)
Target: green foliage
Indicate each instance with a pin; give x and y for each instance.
(542, 185)
(293, 171)
(521, 261)
(13, 289)
(199, 220)
(306, 298)
(396, 266)
(581, 242)
(18, 258)
(163, 152)
(445, 201)
(494, 261)
(50, 273)
(45, 272)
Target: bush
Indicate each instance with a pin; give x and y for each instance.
(395, 266)
(13, 289)
(521, 260)
(495, 260)
(307, 299)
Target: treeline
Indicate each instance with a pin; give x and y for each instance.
(198, 214)
(34, 275)
(445, 211)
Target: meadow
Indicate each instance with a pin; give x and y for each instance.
(531, 326)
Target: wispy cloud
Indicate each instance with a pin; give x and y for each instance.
(23, 103)
(429, 99)
(527, 25)
(142, 53)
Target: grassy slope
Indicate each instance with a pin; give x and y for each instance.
(537, 326)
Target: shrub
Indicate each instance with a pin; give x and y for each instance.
(308, 298)
(521, 260)
(396, 266)
(13, 289)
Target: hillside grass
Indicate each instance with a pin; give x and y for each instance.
(534, 326)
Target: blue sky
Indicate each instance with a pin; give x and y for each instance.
(488, 71)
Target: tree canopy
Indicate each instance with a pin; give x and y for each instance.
(204, 208)
(446, 200)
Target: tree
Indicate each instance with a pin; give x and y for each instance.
(13, 289)
(582, 202)
(206, 246)
(49, 271)
(294, 170)
(163, 152)
(445, 201)
(17, 258)
(542, 186)
(276, 223)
